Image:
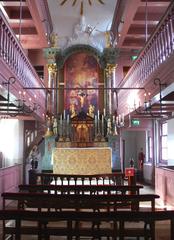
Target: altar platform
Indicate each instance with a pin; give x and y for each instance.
(82, 160)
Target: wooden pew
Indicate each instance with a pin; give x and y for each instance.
(81, 189)
(69, 230)
(64, 179)
(78, 201)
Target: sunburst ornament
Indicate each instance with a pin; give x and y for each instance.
(90, 2)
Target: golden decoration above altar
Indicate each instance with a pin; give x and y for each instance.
(81, 2)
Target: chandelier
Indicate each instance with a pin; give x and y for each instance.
(90, 2)
(17, 107)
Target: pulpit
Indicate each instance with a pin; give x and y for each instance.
(82, 130)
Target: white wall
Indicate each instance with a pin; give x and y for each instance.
(11, 141)
(170, 142)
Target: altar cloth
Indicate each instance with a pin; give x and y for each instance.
(84, 161)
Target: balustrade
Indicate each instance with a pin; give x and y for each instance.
(12, 53)
(159, 47)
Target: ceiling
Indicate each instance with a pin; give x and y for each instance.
(131, 21)
(138, 21)
(96, 20)
(127, 19)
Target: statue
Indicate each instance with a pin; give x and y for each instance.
(109, 127)
(91, 110)
(54, 40)
(72, 110)
(80, 28)
(34, 157)
(110, 39)
(49, 131)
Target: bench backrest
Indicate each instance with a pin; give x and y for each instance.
(79, 201)
(69, 229)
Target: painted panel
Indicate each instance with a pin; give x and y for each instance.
(81, 71)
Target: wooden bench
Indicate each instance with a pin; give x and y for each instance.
(35, 225)
(64, 179)
(78, 201)
(81, 189)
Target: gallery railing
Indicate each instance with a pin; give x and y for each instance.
(157, 50)
(12, 54)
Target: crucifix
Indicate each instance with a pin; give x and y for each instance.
(82, 96)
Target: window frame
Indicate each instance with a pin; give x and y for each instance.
(163, 135)
(150, 149)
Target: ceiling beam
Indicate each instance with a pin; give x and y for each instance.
(129, 13)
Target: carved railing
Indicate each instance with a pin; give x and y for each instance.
(13, 55)
(157, 50)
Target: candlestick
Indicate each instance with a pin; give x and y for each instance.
(60, 119)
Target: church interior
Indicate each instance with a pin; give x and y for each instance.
(86, 105)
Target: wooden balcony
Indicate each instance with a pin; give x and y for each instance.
(14, 63)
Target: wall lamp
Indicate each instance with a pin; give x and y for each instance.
(18, 106)
(147, 107)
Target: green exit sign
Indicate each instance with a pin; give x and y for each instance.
(134, 57)
(135, 122)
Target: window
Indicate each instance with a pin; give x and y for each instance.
(150, 149)
(125, 70)
(164, 149)
(40, 71)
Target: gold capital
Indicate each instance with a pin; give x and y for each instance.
(52, 68)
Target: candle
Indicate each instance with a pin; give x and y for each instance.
(64, 114)
(119, 118)
(123, 117)
(113, 118)
(67, 119)
(98, 115)
(102, 124)
(134, 104)
(104, 112)
(95, 119)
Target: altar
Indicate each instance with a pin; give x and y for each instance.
(84, 161)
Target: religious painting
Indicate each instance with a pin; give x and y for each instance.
(81, 72)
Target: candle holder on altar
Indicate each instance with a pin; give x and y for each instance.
(95, 128)
(67, 129)
(61, 129)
